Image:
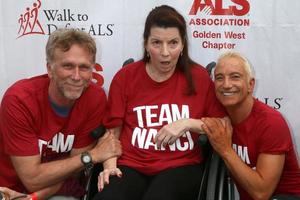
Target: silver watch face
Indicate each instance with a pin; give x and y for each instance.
(86, 159)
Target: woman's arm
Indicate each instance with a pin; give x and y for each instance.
(110, 165)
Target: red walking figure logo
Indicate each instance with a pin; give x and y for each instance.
(29, 22)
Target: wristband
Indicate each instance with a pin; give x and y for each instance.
(33, 196)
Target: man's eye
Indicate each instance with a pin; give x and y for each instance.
(235, 77)
(218, 78)
(85, 68)
(67, 66)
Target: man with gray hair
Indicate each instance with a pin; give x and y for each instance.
(46, 122)
(256, 145)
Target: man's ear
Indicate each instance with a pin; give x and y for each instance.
(251, 85)
(49, 70)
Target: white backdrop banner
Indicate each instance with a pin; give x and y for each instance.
(267, 32)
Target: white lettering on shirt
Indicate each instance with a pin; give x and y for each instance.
(58, 143)
(151, 116)
(242, 152)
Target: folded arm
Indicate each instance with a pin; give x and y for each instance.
(36, 175)
(110, 165)
(169, 133)
(260, 182)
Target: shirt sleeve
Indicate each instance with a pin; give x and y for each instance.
(116, 105)
(94, 112)
(275, 136)
(17, 127)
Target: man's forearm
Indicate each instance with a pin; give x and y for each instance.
(36, 176)
(45, 193)
(260, 183)
(52, 173)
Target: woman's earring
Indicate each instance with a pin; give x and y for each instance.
(148, 55)
(181, 53)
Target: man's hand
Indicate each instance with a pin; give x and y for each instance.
(219, 133)
(107, 147)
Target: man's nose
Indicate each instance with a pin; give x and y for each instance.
(76, 73)
(227, 83)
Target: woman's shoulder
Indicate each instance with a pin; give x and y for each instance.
(130, 70)
(132, 66)
(199, 70)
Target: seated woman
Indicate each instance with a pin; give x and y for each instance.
(159, 160)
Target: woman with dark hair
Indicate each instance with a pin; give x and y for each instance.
(154, 107)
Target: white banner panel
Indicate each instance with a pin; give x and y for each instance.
(267, 32)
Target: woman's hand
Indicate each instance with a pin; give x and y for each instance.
(169, 133)
(103, 178)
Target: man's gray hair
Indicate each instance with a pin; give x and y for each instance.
(64, 38)
(246, 63)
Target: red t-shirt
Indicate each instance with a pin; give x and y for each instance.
(29, 125)
(266, 131)
(142, 106)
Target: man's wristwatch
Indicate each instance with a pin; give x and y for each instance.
(86, 160)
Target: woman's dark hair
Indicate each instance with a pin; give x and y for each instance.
(165, 17)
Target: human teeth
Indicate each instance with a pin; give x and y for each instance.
(227, 93)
